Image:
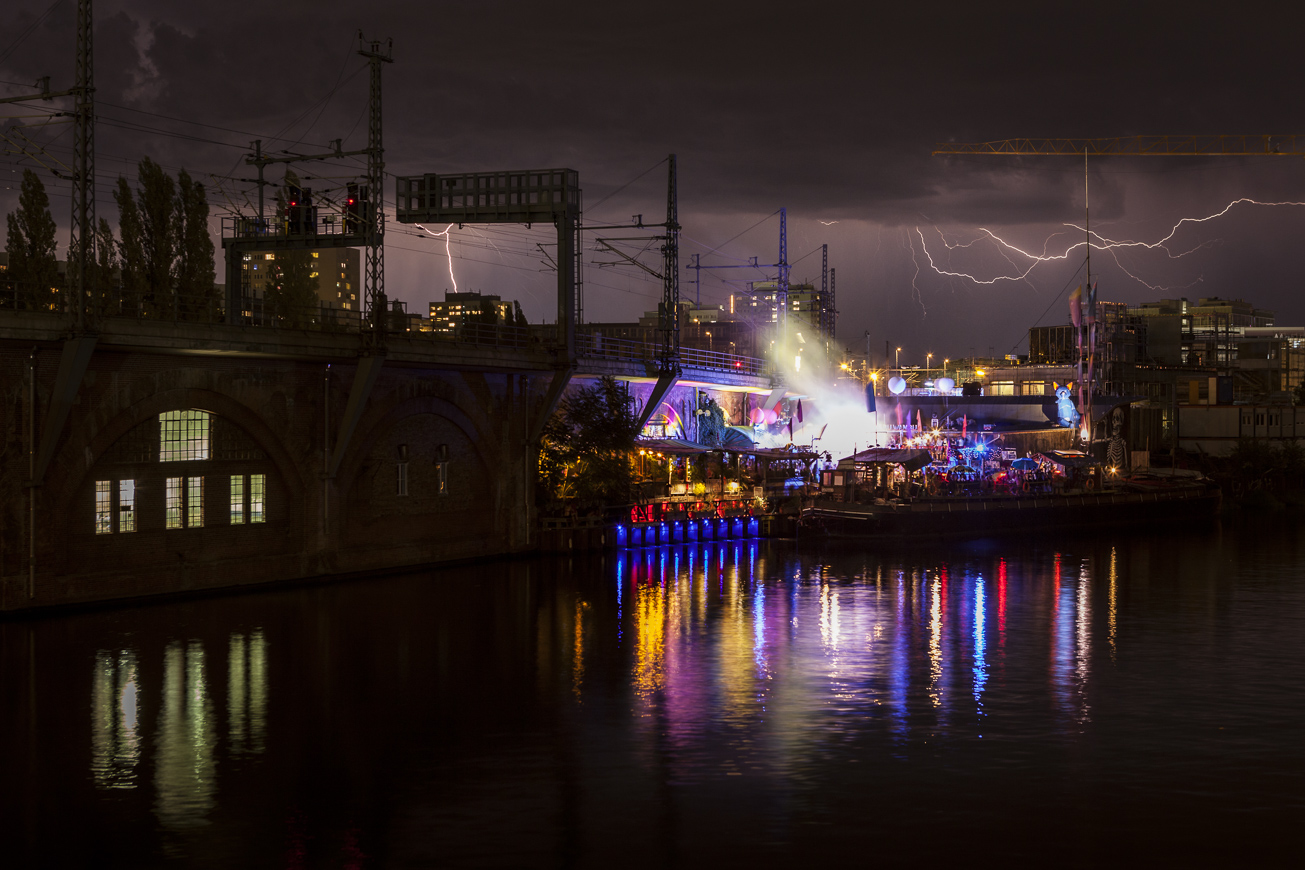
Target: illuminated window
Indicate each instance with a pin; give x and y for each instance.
(126, 505)
(257, 497)
(172, 496)
(442, 478)
(402, 488)
(103, 508)
(237, 499)
(194, 502)
(183, 435)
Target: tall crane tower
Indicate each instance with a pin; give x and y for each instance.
(1219, 145)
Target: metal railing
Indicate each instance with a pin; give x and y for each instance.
(259, 312)
(593, 345)
(278, 226)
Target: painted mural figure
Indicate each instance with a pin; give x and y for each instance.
(1117, 450)
(1065, 410)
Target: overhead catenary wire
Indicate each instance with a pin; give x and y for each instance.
(1054, 300)
(17, 42)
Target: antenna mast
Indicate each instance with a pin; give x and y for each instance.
(670, 314)
(374, 270)
(81, 243)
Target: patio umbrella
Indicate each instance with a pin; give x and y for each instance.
(1024, 463)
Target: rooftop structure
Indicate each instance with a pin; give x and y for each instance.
(335, 271)
(458, 309)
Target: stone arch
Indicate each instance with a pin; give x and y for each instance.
(369, 504)
(385, 418)
(84, 454)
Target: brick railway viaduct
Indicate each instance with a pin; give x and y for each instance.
(326, 426)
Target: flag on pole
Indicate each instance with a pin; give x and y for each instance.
(799, 411)
(1076, 306)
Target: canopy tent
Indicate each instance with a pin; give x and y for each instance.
(1071, 458)
(736, 438)
(672, 446)
(910, 459)
(680, 447)
(778, 453)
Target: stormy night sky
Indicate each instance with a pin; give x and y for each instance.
(830, 110)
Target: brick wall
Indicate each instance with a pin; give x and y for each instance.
(285, 414)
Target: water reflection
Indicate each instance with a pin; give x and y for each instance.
(722, 635)
(186, 731)
(247, 692)
(185, 770)
(1114, 583)
(980, 641)
(115, 719)
(565, 711)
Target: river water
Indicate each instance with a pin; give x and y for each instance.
(1077, 701)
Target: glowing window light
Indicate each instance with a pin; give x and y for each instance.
(257, 498)
(194, 502)
(237, 499)
(183, 435)
(172, 500)
(103, 510)
(126, 505)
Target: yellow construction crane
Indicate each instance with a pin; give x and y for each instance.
(1138, 146)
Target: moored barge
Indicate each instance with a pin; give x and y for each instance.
(899, 493)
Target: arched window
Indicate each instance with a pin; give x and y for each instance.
(183, 435)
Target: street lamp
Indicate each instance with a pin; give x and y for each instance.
(927, 358)
(897, 359)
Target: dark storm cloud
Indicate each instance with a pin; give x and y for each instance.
(830, 109)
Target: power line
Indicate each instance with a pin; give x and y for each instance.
(197, 123)
(8, 51)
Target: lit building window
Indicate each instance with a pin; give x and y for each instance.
(172, 496)
(183, 435)
(257, 497)
(103, 508)
(194, 502)
(126, 505)
(237, 499)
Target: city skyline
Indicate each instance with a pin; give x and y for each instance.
(832, 117)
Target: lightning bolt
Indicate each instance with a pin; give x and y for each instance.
(919, 297)
(827, 223)
(447, 251)
(1096, 240)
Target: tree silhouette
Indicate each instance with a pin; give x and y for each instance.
(33, 268)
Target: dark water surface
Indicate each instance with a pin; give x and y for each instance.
(1105, 701)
